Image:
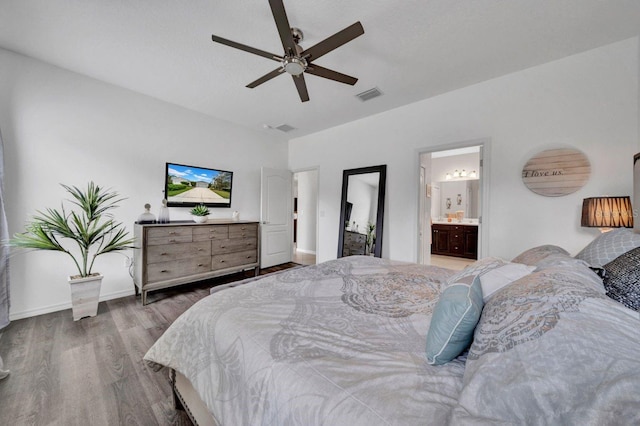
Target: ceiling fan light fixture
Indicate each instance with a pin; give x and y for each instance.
(294, 65)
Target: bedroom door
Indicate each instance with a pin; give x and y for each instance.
(276, 217)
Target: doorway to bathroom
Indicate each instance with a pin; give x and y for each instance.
(452, 189)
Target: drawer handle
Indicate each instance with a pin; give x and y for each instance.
(172, 241)
(200, 264)
(163, 254)
(164, 270)
(200, 249)
(223, 246)
(249, 257)
(222, 261)
(172, 233)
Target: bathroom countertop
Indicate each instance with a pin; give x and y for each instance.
(467, 222)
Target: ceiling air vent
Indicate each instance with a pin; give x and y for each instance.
(369, 94)
(285, 128)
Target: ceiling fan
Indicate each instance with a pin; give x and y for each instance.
(296, 60)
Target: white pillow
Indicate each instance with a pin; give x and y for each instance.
(495, 279)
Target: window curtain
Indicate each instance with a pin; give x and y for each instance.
(4, 259)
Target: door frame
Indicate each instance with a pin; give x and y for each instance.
(485, 178)
(317, 170)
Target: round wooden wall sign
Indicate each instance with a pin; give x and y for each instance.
(556, 172)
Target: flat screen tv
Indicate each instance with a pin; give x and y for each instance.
(188, 186)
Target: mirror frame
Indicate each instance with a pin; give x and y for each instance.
(382, 169)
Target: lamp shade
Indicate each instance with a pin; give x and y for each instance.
(607, 212)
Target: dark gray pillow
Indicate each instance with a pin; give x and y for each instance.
(622, 279)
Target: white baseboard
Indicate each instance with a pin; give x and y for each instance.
(306, 251)
(62, 306)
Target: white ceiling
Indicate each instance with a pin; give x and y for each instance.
(411, 49)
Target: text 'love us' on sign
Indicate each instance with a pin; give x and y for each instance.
(556, 172)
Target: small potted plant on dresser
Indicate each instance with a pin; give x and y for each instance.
(94, 232)
(200, 213)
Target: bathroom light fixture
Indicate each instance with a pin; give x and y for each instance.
(463, 175)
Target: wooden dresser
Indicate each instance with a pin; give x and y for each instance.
(354, 243)
(171, 254)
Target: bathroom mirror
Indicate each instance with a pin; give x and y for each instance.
(457, 196)
(362, 211)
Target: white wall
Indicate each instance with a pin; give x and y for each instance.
(60, 127)
(587, 101)
(307, 210)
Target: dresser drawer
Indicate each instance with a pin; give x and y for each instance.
(206, 233)
(243, 231)
(177, 268)
(168, 235)
(170, 252)
(233, 245)
(230, 260)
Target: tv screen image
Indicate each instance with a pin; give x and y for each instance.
(188, 186)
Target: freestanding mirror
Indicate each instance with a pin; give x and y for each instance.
(362, 211)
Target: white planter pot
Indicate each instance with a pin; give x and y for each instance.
(85, 293)
(200, 219)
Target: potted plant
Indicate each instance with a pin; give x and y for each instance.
(94, 232)
(371, 237)
(199, 213)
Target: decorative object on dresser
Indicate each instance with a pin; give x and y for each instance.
(179, 253)
(163, 217)
(200, 213)
(607, 213)
(147, 216)
(556, 172)
(94, 232)
(454, 240)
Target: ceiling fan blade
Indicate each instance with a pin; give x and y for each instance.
(330, 74)
(265, 78)
(284, 29)
(301, 86)
(334, 41)
(246, 48)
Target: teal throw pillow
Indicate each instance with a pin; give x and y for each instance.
(454, 320)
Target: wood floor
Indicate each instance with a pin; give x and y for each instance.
(450, 262)
(91, 372)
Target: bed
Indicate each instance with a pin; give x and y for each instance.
(368, 341)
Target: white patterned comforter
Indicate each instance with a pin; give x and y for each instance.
(339, 343)
(343, 343)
